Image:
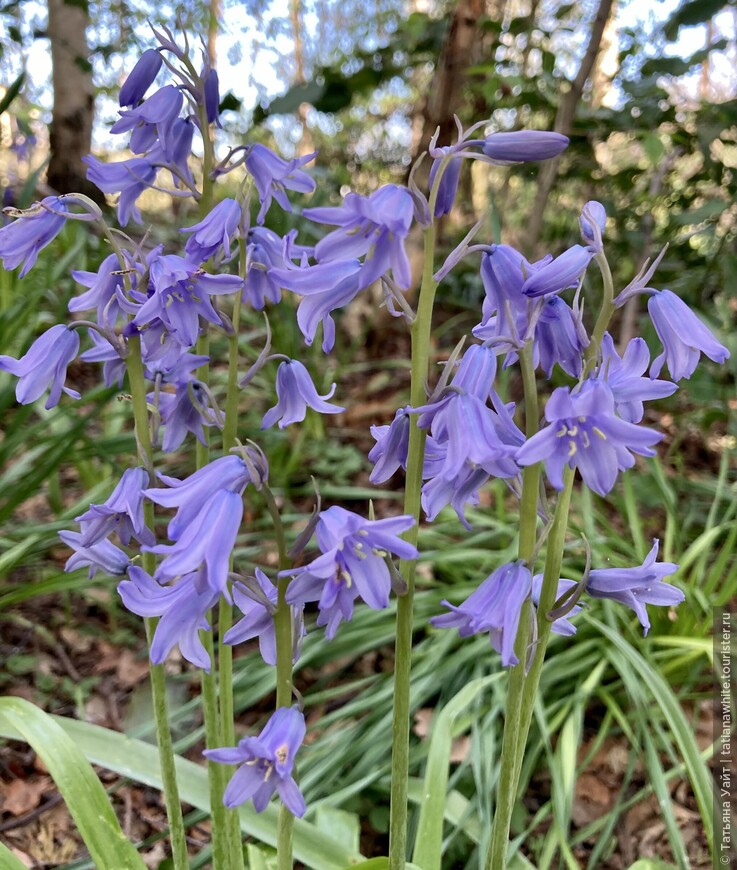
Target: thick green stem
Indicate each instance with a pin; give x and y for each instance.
(512, 746)
(137, 382)
(216, 773)
(421, 330)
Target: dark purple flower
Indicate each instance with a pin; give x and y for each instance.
(375, 226)
(683, 334)
(212, 94)
(44, 365)
(295, 393)
(457, 490)
(140, 78)
(100, 556)
(266, 764)
(448, 183)
(559, 274)
(180, 414)
(207, 541)
(258, 619)
(181, 609)
(352, 565)
(273, 176)
(521, 146)
(626, 378)
(122, 512)
(585, 433)
(228, 473)
(636, 587)
(21, 240)
(214, 233)
(494, 607)
(129, 178)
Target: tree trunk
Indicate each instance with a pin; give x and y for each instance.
(564, 123)
(74, 97)
(462, 48)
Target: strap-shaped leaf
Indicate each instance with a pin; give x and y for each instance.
(140, 761)
(77, 782)
(8, 861)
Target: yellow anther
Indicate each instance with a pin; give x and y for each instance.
(597, 431)
(572, 449)
(585, 439)
(573, 431)
(562, 431)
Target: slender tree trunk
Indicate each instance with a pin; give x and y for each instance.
(564, 122)
(74, 97)
(213, 28)
(306, 144)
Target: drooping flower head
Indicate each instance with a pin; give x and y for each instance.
(585, 433)
(374, 227)
(122, 512)
(636, 587)
(494, 607)
(140, 78)
(214, 233)
(44, 366)
(626, 378)
(273, 176)
(295, 393)
(266, 764)
(38, 226)
(683, 334)
(352, 565)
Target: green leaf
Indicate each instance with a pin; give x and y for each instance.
(12, 93)
(139, 761)
(78, 784)
(343, 827)
(428, 845)
(651, 864)
(8, 861)
(378, 864)
(698, 772)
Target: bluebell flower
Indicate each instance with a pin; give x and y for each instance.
(390, 451)
(44, 366)
(129, 178)
(324, 288)
(161, 109)
(264, 253)
(352, 565)
(626, 378)
(593, 224)
(140, 78)
(258, 620)
(374, 227)
(585, 433)
(175, 153)
(207, 541)
(295, 393)
(683, 335)
(559, 274)
(214, 233)
(636, 587)
(458, 491)
(522, 146)
(212, 94)
(181, 295)
(273, 176)
(266, 764)
(23, 239)
(448, 183)
(102, 556)
(181, 415)
(122, 512)
(559, 337)
(494, 607)
(113, 365)
(181, 609)
(228, 473)
(105, 286)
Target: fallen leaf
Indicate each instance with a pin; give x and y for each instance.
(24, 795)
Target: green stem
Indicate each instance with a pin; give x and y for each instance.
(512, 745)
(284, 687)
(137, 382)
(605, 314)
(216, 773)
(421, 330)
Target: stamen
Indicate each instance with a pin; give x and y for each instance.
(597, 431)
(572, 448)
